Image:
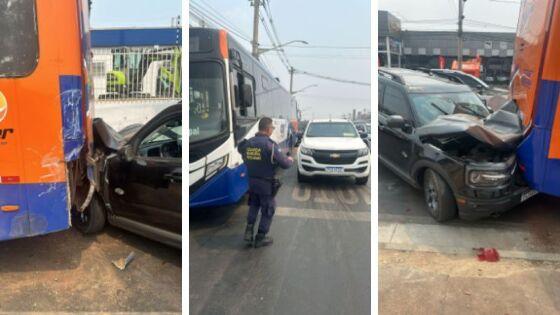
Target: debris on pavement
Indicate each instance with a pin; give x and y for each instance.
(123, 262)
(487, 254)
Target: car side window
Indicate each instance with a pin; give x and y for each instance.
(394, 103)
(164, 142)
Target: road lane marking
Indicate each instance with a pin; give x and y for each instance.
(352, 196)
(298, 196)
(323, 198)
(361, 216)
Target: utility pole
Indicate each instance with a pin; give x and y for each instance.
(292, 70)
(255, 42)
(460, 36)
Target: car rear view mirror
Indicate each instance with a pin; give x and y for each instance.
(127, 153)
(396, 121)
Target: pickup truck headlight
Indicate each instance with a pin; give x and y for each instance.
(488, 178)
(363, 152)
(216, 165)
(305, 151)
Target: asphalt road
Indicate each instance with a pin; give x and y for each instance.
(67, 272)
(319, 262)
(397, 199)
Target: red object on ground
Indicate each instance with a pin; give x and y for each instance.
(471, 66)
(441, 61)
(488, 254)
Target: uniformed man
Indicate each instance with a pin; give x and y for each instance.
(262, 156)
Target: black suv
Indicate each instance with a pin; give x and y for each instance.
(439, 136)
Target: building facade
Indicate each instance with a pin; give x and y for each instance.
(430, 49)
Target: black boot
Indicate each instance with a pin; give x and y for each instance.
(262, 240)
(249, 233)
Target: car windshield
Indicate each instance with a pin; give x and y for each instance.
(207, 106)
(331, 130)
(430, 106)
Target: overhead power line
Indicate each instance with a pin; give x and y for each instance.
(324, 77)
(208, 16)
(331, 47)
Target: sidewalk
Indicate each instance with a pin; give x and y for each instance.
(431, 283)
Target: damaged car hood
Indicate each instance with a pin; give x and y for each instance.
(501, 131)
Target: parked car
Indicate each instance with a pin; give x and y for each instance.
(333, 147)
(364, 128)
(439, 136)
(139, 179)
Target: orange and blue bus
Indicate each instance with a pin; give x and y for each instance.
(45, 115)
(535, 88)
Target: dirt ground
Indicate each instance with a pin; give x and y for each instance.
(431, 283)
(68, 272)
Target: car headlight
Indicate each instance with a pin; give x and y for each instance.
(216, 165)
(363, 152)
(488, 178)
(306, 151)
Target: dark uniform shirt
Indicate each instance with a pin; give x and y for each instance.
(262, 156)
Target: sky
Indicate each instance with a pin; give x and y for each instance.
(320, 23)
(133, 13)
(495, 15)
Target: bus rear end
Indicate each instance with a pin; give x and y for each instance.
(535, 88)
(43, 103)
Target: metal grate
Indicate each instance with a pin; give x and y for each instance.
(132, 73)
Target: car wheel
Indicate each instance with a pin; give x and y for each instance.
(439, 197)
(362, 180)
(302, 178)
(92, 220)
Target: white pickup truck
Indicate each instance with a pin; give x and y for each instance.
(333, 147)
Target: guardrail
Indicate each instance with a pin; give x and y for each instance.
(137, 73)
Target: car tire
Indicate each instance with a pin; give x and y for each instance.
(302, 178)
(362, 180)
(439, 197)
(92, 220)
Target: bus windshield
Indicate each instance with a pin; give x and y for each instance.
(207, 106)
(18, 38)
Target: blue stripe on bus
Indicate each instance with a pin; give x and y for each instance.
(43, 209)
(542, 173)
(72, 116)
(226, 187)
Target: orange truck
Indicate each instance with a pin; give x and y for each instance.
(535, 88)
(45, 115)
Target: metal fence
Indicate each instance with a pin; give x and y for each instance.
(137, 73)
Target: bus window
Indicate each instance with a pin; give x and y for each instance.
(18, 38)
(207, 106)
(238, 79)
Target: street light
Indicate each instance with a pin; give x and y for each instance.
(305, 88)
(263, 50)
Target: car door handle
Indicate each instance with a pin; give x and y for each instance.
(173, 177)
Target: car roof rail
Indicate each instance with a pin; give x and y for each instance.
(392, 76)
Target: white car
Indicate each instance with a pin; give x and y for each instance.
(333, 147)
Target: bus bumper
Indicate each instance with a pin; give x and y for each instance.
(226, 187)
(43, 208)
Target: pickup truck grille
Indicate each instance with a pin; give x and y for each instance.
(335, 157)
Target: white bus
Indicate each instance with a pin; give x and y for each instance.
(229, 91)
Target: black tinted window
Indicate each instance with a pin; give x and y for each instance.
(394, 103)
(18, 38)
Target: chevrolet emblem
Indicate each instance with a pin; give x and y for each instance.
(335, 155)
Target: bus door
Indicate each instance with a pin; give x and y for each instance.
(535, 87)
(41, 113)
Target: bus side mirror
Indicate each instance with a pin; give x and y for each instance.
(247, 95)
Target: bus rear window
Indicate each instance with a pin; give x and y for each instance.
(18, 38)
